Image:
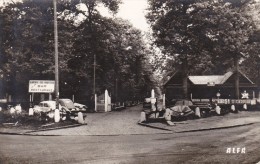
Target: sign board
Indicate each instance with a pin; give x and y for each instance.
(211, 84)
(41, 86)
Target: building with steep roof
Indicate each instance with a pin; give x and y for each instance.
(207, 86)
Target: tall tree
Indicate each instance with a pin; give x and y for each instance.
(199, 33)
(28, 50)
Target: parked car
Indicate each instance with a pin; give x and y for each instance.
(45, 106)
(82, 107)
(72, 107)
(66, 107)
(182, 109)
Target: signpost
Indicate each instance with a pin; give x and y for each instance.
(40, 86)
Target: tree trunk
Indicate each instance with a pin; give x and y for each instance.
(185, 78)
(236, 77)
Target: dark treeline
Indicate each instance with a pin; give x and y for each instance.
(27, 50)
(205, 37)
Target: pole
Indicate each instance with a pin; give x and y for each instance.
(56, 54)
(116, 90)
(94, 80)
(236, 77)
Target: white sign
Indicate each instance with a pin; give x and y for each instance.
(211, 84)
(41, 86)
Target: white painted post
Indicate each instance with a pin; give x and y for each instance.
(80, 118)
(233, 108)
(253, 94)
(109, 103)
(245, 106)
(218, 109)
(197, 112)
(95, 102)
(143, 117)
(152, 94)
(30, 111)
(164, 104)
(10, 98)
(57, 115)
(106, 100)
(73, 98)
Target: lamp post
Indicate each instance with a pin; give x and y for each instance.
(56, 54)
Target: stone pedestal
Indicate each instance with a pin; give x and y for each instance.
(80, 118)
(143, 117)
(218, 110)
(197, 112)
(57, 115)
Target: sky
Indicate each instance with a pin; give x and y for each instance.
(132, 10)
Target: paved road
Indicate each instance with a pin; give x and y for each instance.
(131, 143)
(195, 147)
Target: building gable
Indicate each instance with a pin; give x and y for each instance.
(175, 79)
(243, 79)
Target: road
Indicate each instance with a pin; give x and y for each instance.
(190, 147)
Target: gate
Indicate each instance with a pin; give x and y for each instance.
(103, 102)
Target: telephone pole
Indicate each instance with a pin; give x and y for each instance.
(56, 54)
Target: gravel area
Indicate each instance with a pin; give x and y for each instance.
(124, 122)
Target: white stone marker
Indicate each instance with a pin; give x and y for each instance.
(57, 115)
(30, 111)
(143, 117)
(168, 114)
(0, 109)
(218, 109)
(245, 106)
(80, 118)
(233, 108)
(197, 112)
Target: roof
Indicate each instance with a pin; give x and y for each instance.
(211, 79)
